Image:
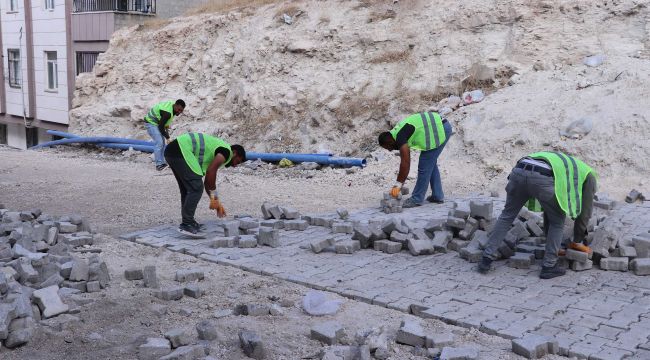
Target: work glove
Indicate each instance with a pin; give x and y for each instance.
(215, 204)
(396, 190)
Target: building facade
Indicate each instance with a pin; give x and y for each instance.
(46, 44)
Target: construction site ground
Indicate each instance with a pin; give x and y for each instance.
(111, 324)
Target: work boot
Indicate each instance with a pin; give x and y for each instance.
(409, 203)
(485, 265)
(580, 247)
(161, 167)
(552, 272)
(191, 231)
(431, 199)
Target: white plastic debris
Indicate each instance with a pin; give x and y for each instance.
(287, 19)
(316, 303)
(594, 60)
(578, 129)
(474, 96)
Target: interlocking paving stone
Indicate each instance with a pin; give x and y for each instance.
(592, 313)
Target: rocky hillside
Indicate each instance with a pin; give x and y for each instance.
(315, 75)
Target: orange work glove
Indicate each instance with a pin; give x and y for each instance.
(395, 191)
(215, 204)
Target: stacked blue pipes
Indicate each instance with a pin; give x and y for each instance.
(147, 146)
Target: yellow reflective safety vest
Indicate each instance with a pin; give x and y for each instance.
(153, 116)
(198, 150)
(429, 131)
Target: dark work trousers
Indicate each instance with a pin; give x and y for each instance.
(589, 188)
(190, 185)
(523, 185)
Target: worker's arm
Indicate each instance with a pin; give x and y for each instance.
(164, 116)
(210, 181)
(404, 163)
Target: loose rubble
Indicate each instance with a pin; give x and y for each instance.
(40, 256)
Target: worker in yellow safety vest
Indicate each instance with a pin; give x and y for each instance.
(191, 157)
(429, 133)
(563, 185)
(157, 122)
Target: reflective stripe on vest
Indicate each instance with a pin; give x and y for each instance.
(153, 117)
(426, 125)
(432, 122)
(198, 150)
(569, 174)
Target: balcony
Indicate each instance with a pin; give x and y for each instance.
(128, 6)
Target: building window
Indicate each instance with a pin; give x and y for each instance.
(13, 5)
(86, 61)
(15, 78)
(49, 4)
(52, 70)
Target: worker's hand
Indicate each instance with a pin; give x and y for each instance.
(215, 204)
(395, 191)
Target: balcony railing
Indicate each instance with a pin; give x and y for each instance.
(136, 6)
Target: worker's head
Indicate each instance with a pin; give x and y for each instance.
(179, 106)
(387, 141)
(238, 155)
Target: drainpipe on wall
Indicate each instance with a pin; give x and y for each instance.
(28, 123)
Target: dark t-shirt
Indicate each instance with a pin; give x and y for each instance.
(174, 150)
(404, 135)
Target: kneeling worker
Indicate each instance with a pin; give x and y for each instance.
(192, 156)
(563, 185)
(426, 132)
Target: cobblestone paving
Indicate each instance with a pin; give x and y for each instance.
(593, 314)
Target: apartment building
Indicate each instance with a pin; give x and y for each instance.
(45, 44)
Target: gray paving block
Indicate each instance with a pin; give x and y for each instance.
(440, 340)
(319, 245)
(581, 266)
(178, 337)
(231, 228)
(270, 237)
(533, 228)
(48, 300)
(343, 213)
(399, 237)
(459, 353)
(248, 241)
(471, 226)
(189, 352)
(627, 251)
(481, 237)
(640, 266)
(420, 247)
(472, 255)
(457, 244)
(481, 209)
(578, 256)
(252, 344)
(275, 212)
(290, 213)
(247, 224)
(461, 209)
(411, 333)
(347, 247)
(206, 330)
(420, 234)
(387, 246)
(189, 275)
(441, 240)
(329, 333)
(150, 277)
(300, 225)
(266, 214)
(521, 260)
(642, 245)
(363, 234)
(170, 293)
(93, 286)
(534, 346)
(342, 227)
(132, 274)
(506, 251)
(224, 242)
(614, 263)
(193, 291)
(456, 223)
(273, 223)
(434, 225)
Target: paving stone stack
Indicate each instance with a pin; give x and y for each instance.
(39, 255)
(391, 205)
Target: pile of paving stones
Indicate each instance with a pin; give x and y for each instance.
(466, 227)
(186, 278)
(41, 258)
(391, 205)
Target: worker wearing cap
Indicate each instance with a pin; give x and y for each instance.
(429, 133)
(563, 185)
(191, 157)
(157, 122)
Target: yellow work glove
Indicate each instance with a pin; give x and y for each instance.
(215, 204)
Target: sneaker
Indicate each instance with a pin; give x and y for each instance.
(191, 231)
(552, 272)
(409, 203)
(485, 265)
(200, 227)
(431, 199)
(580, 247)
(161, 167)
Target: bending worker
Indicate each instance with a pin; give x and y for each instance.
(192, 156)
(157, 122)
(563, 185)
(426, 132)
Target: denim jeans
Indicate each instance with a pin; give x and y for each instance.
(428, 172)
(159, 146)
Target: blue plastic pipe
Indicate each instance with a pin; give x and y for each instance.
(298, 158)
(110, 142)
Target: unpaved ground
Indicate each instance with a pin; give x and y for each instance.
(121, 195)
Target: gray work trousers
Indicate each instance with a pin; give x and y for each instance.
(190, 185)
(523, 185)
